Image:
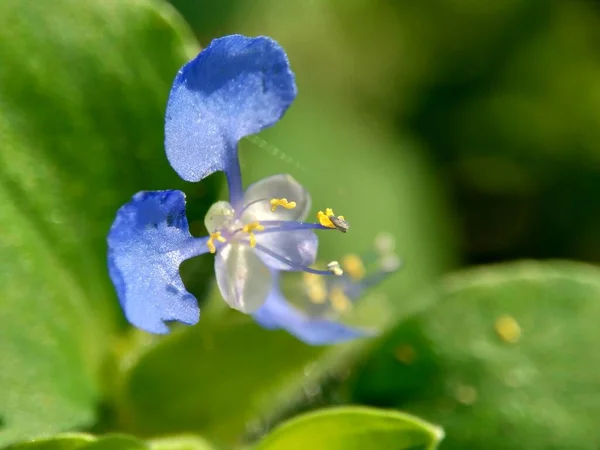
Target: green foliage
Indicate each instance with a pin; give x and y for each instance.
(403, 108)
(504, 357)
(350, 428)
(211, 378)
(81, 441)
(82, 87)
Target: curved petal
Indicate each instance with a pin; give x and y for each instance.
(299, 247)
(244, 281)
(257, 196)
(277, 313)
(146, 244)
(235, 87)
(218, 215)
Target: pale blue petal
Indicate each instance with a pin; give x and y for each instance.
(235, 87)
(299, 247)
(244, 281)
(256, 199)
(277, 313)
(146, 244)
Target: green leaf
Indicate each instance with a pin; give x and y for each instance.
(83, 87)
(231, 370)
(116, 442)
(504, 359)
(348, 428)
(70, 441)
(181, 443)
(235, 372)
(81, 441)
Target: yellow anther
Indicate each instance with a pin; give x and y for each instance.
(324, 220)
(211, 242)
(250, 228)
(335, 268)
(354, 266)
(330, 220)
(339, 300)
(315, 287)
(283, 202)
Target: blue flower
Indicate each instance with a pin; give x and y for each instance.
(325, 299)
(235, 87)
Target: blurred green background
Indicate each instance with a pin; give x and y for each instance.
(468, 129)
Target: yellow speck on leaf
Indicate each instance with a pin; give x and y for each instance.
(508, 329)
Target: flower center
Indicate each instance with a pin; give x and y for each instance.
(225, 225)
(250, 228)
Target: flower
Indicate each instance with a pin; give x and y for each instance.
(325, 299)
(235, 87)
(264, 234)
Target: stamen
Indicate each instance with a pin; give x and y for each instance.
(290, 263)
(211, 242)
(250, 228)
(315, 288)
(283, 202)
(339, 300)
(283, 225)
(354, 266)
(335, 268)
(330, 220)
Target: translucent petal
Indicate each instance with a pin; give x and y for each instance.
(257, 196)
(244, 281)
(235, 87)
(277, 313)
(146, 244)
(218, 215)
(300, 247)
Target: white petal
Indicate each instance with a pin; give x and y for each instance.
(277, 186)
(218, 215)
(243, 279)
(300, 247)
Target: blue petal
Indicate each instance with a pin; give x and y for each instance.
(235, 87)
(146, 244)
(277, 313)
